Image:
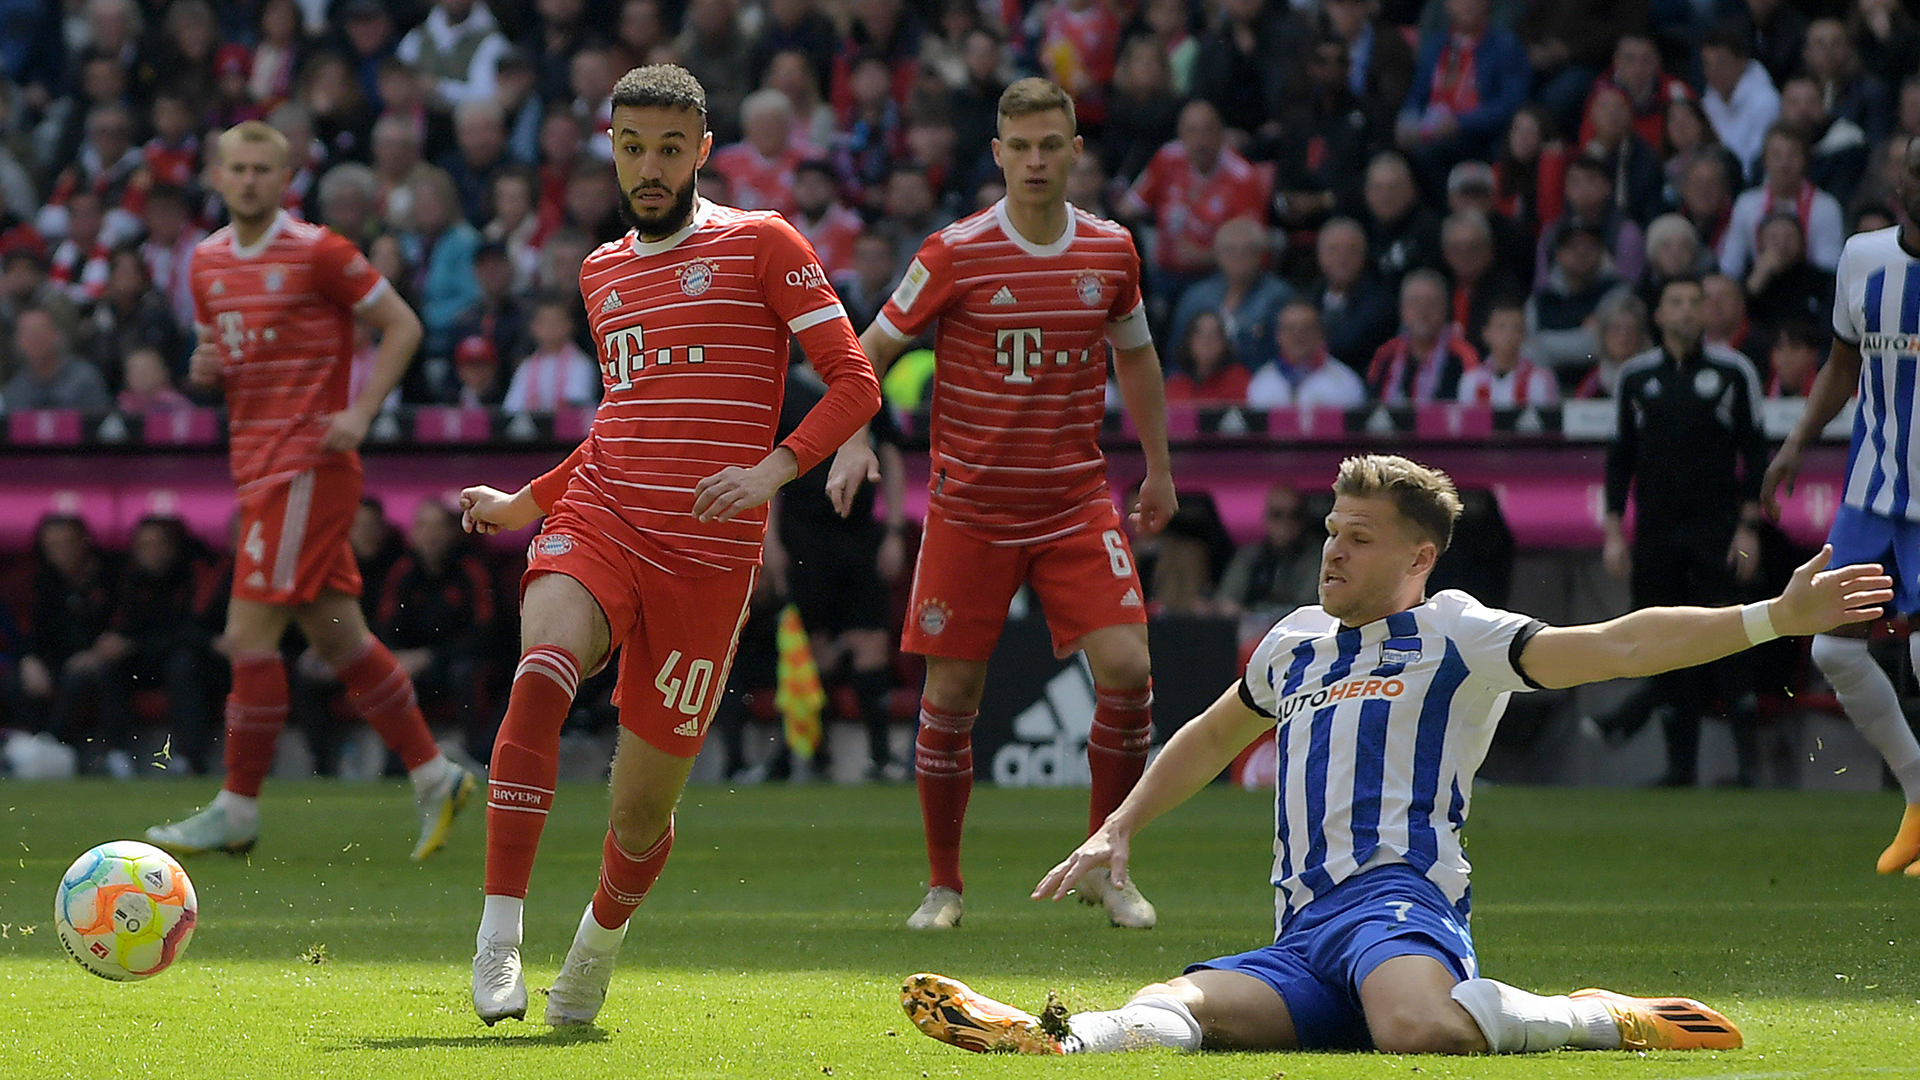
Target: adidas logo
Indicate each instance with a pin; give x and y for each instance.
(1131, 599)
(1003, 297)
(689, 729)
(611, 303)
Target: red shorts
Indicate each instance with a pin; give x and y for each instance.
(962, 585)
(676, 634)
(293, 539)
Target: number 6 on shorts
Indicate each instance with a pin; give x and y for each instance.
(1117, 553)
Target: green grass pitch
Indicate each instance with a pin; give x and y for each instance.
(773, 945)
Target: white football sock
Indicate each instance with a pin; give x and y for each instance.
(242, 810)
(596, 937)
(430, 774)
(1517, 1022)
(1868, 696)
(500, 920)
(1153, 1020)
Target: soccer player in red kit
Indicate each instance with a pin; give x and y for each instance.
(1029, 295)
(275, 300)
(654, 526)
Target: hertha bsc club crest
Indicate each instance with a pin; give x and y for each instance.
(696, 277)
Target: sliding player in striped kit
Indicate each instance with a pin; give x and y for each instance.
(1876, 339)
(1383, 702)
(655, 524)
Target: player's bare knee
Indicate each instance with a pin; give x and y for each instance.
(559, 611)
(639, 820)
(955, 686)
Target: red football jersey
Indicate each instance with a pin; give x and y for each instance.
(832, 237)
(692, 336)
(754, 181)
(1193, 207)
(1020, 381)
(283, 312)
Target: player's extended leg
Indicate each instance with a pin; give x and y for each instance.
(646, 784)
(943, 772)
(1513, 1021)
(1867, 694)
(563, 634)
(384, 697)
(256, 711)
(1217, 1009)
(1117, 751)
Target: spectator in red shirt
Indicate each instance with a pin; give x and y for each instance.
(759, 168)
(1206, 370)
(828, 224)
(1190, 188)
(1636, 73)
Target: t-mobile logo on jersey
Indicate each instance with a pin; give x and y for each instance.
(1018, 348)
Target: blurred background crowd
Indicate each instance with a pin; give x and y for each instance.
(1338, 203)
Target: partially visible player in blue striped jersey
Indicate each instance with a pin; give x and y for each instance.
(1383, 701)
(1876, 349)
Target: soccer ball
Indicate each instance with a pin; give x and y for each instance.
(125, 910)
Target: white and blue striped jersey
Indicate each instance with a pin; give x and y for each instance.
(1876, 307)
(1379, 730)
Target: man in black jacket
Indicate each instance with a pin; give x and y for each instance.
(1690, 450)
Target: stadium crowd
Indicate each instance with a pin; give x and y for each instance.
(1339, 202)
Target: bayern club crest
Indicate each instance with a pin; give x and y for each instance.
(275, 278)
(1088, 286)
(552, 544)
(696, 277)
(934, 615)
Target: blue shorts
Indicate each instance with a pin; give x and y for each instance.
(1330, 947)
(1862, 536)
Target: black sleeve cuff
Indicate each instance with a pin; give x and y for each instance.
(1519, 645)
(1246, 698)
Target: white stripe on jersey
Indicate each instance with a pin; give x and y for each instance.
(1379, 730)
(1876, 306)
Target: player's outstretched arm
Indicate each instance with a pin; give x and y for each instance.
(1657, 639)
(1143, 387)
(1189, 762)
(1831, 390)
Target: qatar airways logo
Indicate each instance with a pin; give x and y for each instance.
(809, 276)
(1350, 690)
(1894, 343)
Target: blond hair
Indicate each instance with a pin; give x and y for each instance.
(1425, 497)
(1036, 95)
(255, 131)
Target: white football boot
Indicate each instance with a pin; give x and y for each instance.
(581, 987)
(437, 807)
(1125, 906)
(940, 910)
(212, 829)
(499, 990)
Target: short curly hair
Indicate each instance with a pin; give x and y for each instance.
(661, 86)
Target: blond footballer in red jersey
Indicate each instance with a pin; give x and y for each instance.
(655, 525)
(1029, 295)
(275, 300)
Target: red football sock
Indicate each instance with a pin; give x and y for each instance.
(626, 877)
(256, 711)
(1117, 747)
(526, 764)
(943, 771)
(383, 696)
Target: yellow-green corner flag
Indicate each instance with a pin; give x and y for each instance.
(798, 695)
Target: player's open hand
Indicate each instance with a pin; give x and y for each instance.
(1156, 505)
(1100, 849)
(1819, 599)
(346, 431)
(1782, 471)
(486, 510)
(853, 465)
(206, 366)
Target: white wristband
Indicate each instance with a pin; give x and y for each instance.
(1759, 622)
